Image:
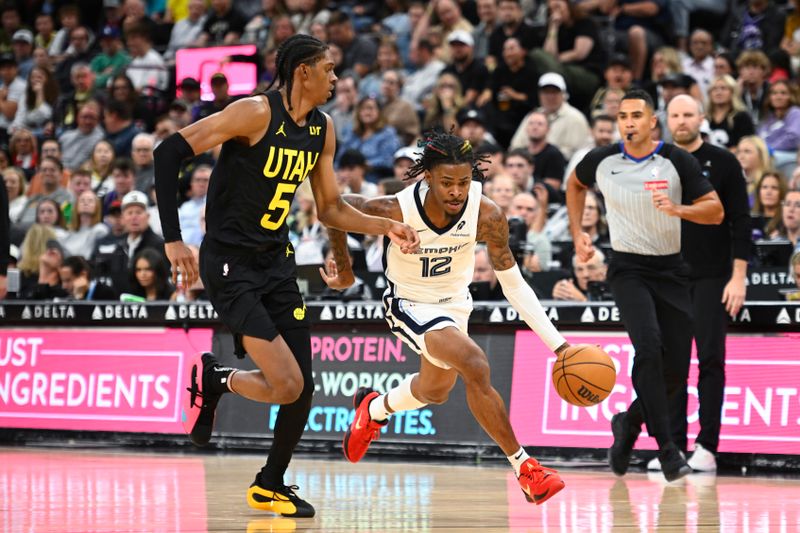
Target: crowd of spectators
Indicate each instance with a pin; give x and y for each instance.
(88, 90)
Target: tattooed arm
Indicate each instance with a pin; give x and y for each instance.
(339, 272)
(493, 230)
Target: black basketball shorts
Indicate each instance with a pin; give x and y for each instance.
(254, 293)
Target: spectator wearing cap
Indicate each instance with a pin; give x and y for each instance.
(427, 69)
(471, 72)
(12, 90)
(487, 15)
(187, 30)
(190, 91)
(119, 127)
(351, 175)
(114, 255)
(189, 212)
(147, 67)
(448, 14)
(22, 46)
(77, 144)
(511, 93)
(573, 49)
(403, 159)
(618, 76)
(224, 25)
(219, 86)
(112, 58)
(569, 129)
(399, 112)
(472, 126)
(180, 113)
(370, 134)
(512, 24)
(359, 52)
(45, 31)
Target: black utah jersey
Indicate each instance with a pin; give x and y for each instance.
(252, 187)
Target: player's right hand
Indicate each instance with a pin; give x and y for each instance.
(182, 260)
(404, 236)
(583, 246)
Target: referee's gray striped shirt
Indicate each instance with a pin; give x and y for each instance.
(627, 184)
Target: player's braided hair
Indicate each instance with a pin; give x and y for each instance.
(294, 51)
(441, 148)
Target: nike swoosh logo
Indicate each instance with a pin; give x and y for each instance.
(421, 230)
(518, 455)
(537, 497)
(359, 425)
(614, 172)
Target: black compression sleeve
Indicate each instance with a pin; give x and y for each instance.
(167, 164)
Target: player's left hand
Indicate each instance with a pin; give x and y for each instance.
(733, 296)
(334, 279)
(662, 202)
(404, 236)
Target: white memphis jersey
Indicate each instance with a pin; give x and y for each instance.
(442, 269)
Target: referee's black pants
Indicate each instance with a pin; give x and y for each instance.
(652, 294)
(710, 328)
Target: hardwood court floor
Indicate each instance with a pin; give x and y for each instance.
(56, 490)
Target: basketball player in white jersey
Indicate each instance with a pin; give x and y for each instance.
(428, 302)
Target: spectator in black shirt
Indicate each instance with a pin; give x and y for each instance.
(512, 24)
(359, 51)
(512, 91)
(224, 25)
(471, 72)
(640, 26)
(77, 282)
(548, 161)
(755, 26)
(219, 86)
(573, 49)
(717, 256)
(728, 118)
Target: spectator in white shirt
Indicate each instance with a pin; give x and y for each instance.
(189, 212)
(699, 64)
(186, 31)
(147, 68)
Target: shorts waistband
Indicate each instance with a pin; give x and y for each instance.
(241, 251)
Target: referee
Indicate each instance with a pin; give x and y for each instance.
(648, 188)
(717, 257)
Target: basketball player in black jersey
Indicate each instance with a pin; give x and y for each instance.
(270, 143)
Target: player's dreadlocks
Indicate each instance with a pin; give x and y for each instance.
(294, 51)
(441, 148)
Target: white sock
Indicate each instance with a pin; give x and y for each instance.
(398, 399)
(517, 459)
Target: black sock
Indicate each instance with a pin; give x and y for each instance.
(216, 379)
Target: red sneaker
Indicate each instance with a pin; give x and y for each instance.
(363, 430)
(538, 482)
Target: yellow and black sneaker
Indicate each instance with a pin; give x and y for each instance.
(280, 499)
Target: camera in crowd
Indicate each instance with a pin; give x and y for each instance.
(518, 238)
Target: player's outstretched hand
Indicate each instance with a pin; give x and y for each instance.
(404, 236)
(182, 260)
(583, 246)
(334, 279)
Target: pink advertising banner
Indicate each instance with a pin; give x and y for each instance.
(202, 63)
(760, 414)
(96, 379)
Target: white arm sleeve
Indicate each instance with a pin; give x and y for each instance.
(521, 296)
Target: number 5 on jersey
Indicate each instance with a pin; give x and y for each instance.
(279, 207)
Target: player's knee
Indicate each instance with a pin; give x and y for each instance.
(289, 390)
(436, 396)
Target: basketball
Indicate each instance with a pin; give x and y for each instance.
(584, 375)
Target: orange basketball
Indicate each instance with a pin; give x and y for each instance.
(584, 375)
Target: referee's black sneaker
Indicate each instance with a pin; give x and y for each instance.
(278, 498)
(673, 462)
(619, 455)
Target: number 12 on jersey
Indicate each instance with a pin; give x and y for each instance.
(279, 206)
(435, 266)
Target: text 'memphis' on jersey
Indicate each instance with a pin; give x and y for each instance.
(252, 188)
(442, 270)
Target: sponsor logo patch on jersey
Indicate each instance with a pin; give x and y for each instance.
(656, 185)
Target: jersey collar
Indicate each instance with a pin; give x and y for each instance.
(639, 159)
(424, 215)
